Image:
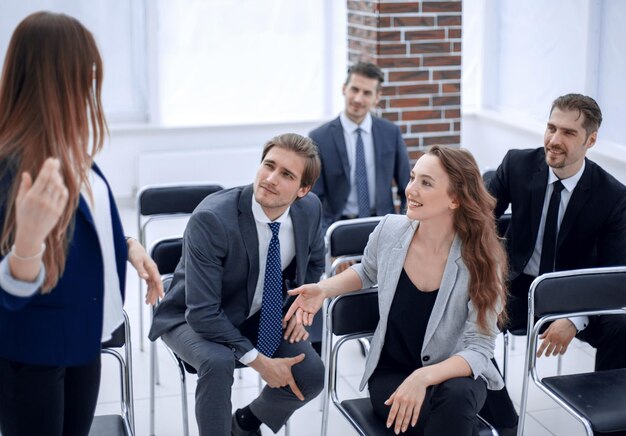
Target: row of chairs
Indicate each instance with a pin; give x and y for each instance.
(345, 242)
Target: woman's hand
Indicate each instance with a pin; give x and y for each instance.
(309, 300)
(294, 332)
(146, 269)
(406, 402)
(38, 207)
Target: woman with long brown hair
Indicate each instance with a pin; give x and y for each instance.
(440, 272)
(62, 249)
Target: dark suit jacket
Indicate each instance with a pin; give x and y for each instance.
(333, 185)
(593, 230)
(64, 327)
(215, 280)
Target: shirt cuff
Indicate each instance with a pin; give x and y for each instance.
(580, 322)
(249, 357)
(16, 287)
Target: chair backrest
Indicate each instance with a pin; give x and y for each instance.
(166, 253)
(173, 199)
(488, 175)
(354, 313)
(502, 224)
(347, 240)
(590, 290)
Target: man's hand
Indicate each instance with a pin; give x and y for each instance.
(305, 306)
(557, 338)
(277, 371)
(294, 332)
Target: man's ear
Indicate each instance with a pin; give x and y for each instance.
(591, 140)
(304, 190)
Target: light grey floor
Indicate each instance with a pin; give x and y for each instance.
(544, 417)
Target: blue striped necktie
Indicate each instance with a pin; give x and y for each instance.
(270, 325)
(360, 177)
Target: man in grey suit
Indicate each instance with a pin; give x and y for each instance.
(362, 155)
(243, 248)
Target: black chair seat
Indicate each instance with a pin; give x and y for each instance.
(598, 396)
(108, 425)
(118, 338)
(362, 412)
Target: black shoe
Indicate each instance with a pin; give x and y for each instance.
(236, 430)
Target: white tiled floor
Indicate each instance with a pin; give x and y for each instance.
(544, 417)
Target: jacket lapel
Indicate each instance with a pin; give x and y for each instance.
(340, 145)
(537, 196)
(300, 234)
(247, 226)
(448, 281)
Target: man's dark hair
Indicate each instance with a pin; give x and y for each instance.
(586, 106)
(366, 69)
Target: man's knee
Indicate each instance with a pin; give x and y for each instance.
(310, 377)
(217, 365)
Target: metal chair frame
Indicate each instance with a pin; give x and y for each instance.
(126, 384)
(550, 314)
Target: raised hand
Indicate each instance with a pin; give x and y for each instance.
(38, 207)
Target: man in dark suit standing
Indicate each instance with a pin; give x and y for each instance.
(567, 213)
(362, 155)
(243, 247)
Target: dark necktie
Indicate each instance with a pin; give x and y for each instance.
(548, 247)
(270, 325)
(360, 177)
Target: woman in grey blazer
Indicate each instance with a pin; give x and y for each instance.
(440, 272)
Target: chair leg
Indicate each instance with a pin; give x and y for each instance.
(183, 402)
(505, 355)
(287, 428)
(153, 382)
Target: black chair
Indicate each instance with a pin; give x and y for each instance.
(346, 240)
(349, 317)
(166, 253)
(161, 202)
(124, 423)
(596, 399)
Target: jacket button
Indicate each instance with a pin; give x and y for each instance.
(425, 358)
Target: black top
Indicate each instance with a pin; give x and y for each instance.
(406, 326)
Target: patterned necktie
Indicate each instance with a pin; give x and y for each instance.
(360, 177)
(548, 247)
(270, 325)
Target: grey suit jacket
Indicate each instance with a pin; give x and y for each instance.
(452, 328)
(333, 185)
(215, 280)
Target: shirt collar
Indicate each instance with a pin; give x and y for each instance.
(259, 215)
(350, 126)
(569, 183)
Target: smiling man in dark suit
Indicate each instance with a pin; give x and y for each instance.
(243, 248)
(362, 155)
(585, 227)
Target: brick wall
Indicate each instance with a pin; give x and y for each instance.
(418, 46)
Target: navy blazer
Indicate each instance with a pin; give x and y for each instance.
(215, 280)
(333, 185)
(64, 327)
(593, 230)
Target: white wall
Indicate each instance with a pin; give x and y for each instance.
(136, 156)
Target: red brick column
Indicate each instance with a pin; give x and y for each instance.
(418, 46)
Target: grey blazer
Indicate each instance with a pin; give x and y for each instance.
(452, 328)
(215, 280)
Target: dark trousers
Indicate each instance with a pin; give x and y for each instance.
(449, 408)
(48, 400)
